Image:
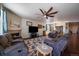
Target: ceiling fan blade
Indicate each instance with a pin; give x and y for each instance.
(53, 13)
(42, 11)
(45, 12)
(49, 10)
(51, 16)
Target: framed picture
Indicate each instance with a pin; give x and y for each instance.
(28, 23)
(40, 26)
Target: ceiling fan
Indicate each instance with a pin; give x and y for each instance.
(48, 13)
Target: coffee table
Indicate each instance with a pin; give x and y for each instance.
(44, 49)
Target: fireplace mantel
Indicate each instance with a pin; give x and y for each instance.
(14, 32)
(14, 28)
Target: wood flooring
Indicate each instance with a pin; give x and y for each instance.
(73, 46)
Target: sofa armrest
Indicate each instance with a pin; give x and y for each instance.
(17, 40)
(49, 42)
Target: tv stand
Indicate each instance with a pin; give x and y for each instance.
(33, 35)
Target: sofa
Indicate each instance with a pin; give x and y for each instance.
(15, 50)
(11, 39)
(11, 47)
(59, 45)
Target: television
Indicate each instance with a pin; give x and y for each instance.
(33, 29)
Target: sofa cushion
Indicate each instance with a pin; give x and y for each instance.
(9, 37)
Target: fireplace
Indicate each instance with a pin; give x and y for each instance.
(15, 33)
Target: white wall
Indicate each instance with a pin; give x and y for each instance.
(14, 19)
(25, 30)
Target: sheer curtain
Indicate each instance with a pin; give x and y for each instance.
(3, 21)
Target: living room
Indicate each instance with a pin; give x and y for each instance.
(37, 29)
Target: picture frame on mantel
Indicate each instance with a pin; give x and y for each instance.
(28, 23)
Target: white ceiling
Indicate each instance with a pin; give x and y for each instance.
(67, 12)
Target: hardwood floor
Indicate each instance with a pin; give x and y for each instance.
(73, 46)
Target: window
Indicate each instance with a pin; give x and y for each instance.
(3, 20)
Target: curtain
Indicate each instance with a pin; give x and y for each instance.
(3, 21)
